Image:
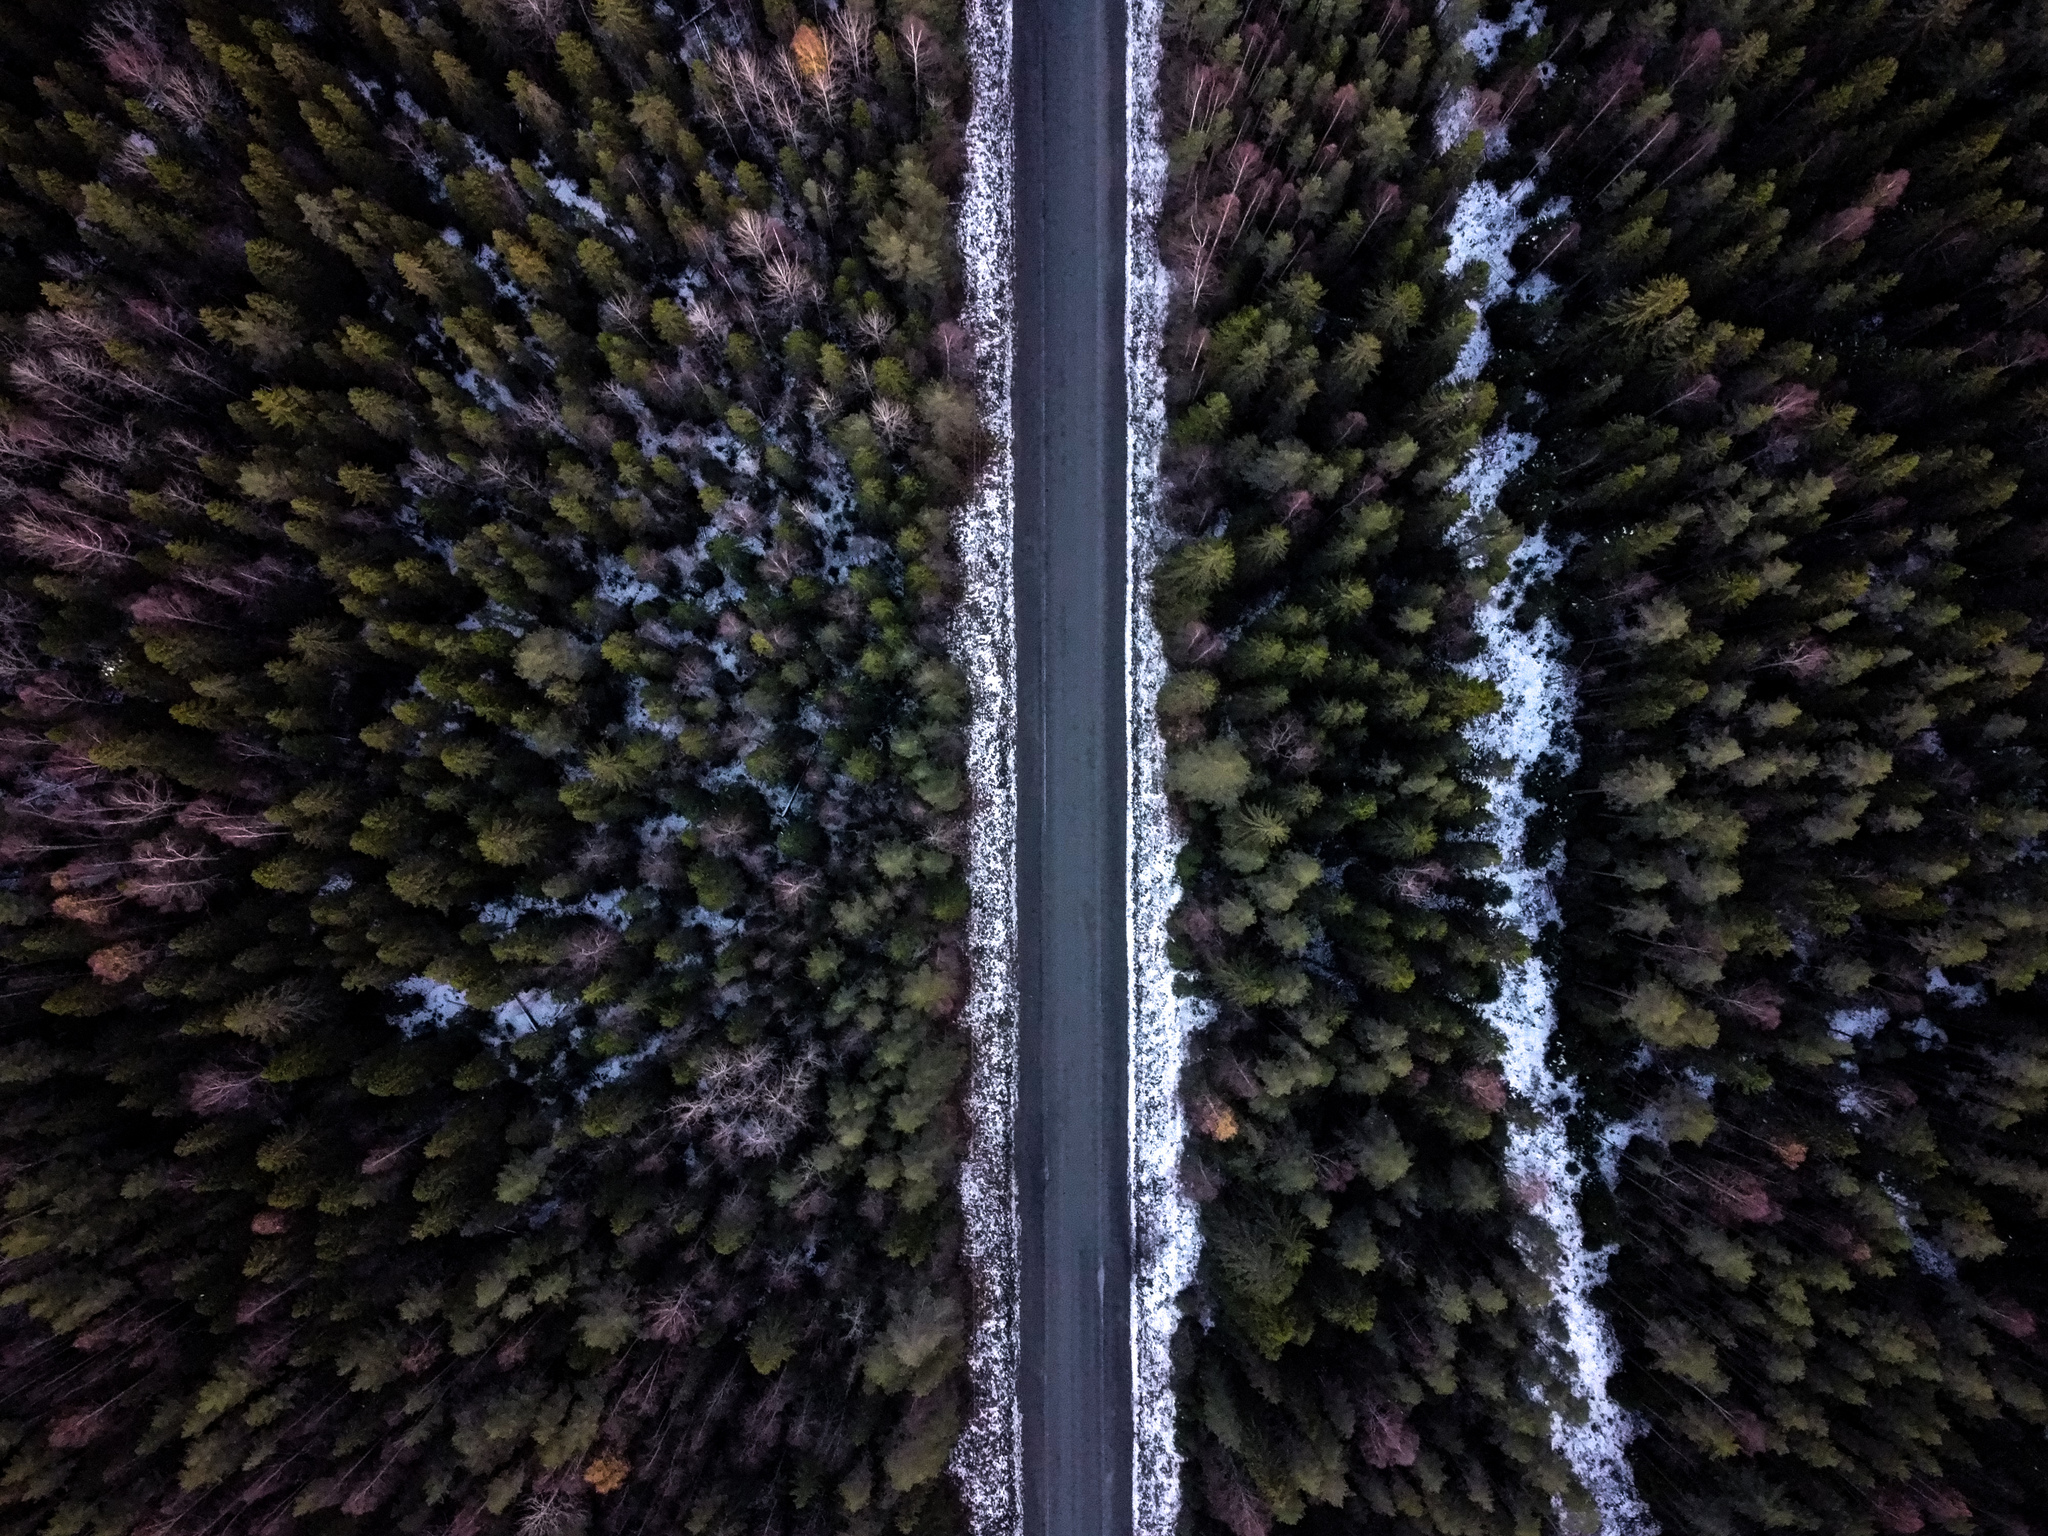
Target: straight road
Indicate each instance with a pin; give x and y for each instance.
(1073, 1034)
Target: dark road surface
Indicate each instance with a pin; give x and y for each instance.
(1069, 402)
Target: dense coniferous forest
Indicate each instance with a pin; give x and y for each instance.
(482, 790)
(482, 803)
(1368, 1337)
(1771, 358)
(1792, 420)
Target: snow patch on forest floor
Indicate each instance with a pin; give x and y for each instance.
(1852, 1026)
(441, 1005)
(987, 1462)
(1539, 698)
(1535, 722)
(1457, 114)
(605, 906)
(1483, 39)
(1484, 226)
(1165, 1237)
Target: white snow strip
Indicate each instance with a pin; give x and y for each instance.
(531, 1010)
(1456, 114)
(1928, 1035)
(1483, 476)
(1929, 1257)
(987, 1462)
(441, 1004)
(1851, 1025)
(1483, 40)
(602, 905)
(1539, 700)
(1165, 1236)
(1651, 1122)
(1484, 226)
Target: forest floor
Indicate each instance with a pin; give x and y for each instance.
(1070, 446)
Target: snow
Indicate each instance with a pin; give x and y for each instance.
(566, 191)
(622, 586)
(1850, 1025)
(1484, 38)
(440, 1004)
(1484, 226)
(530, 1010)
(842, 547)
(1165, 1235)
(1482, 477)
(1952, 993)
(850, 552)
(987, 1462)
(658, 829)
(1932, 1036)
(1539, 701)
(640, 718)
(602, 905)
(1929, 1258)
(1649, 1122)
(1539, 698)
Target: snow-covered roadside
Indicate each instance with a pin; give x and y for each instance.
(987, 1461)
(1165, 1240)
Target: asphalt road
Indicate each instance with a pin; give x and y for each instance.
(1069, 420)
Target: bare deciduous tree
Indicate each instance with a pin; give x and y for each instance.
(172, 873)
(789, 284)
(920, 46)
(538, 18)
(70, 543)
(753, 1101)
(221, 1090)
(853, 32)
(237, 830)
(892, 419)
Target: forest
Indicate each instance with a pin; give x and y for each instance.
(484, 800)
(482, 768)
(1732, 311)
